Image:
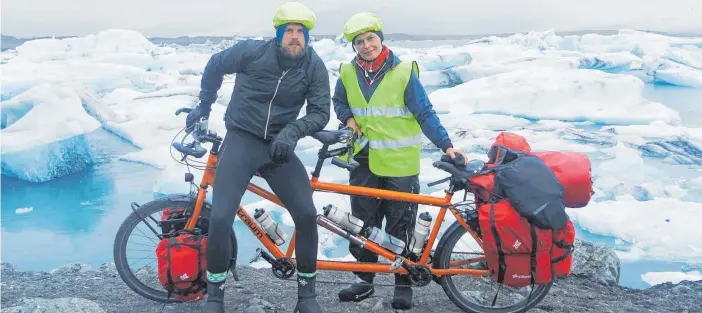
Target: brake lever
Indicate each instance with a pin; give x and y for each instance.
(183, 110)
(443, 180)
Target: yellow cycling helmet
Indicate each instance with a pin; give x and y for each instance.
(294, 12)
(361, 23)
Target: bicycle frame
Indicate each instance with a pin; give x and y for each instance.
(444, 203)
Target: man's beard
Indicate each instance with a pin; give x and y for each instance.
(293, 50)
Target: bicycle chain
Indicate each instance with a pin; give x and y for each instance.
(328, 282)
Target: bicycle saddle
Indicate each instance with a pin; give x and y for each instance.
(330, 137)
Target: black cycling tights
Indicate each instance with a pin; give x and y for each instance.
(241, 156)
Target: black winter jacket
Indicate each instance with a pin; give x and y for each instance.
(269, 89)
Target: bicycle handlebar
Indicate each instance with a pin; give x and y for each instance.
(200, 134)
(192, 149)
(458, 169)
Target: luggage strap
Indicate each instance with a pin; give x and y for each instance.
(501, 256)
(569, 250)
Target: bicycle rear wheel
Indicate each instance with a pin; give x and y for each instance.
(476, 295)
(144, 281)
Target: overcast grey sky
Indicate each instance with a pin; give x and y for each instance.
(23, 18)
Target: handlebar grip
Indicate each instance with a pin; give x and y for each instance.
(191, 149)
(349, 166)
(459, 160)
(448, 167)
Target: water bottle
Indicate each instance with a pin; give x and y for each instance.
(270, 227)
(343, 218)
(386, 240)
(421, 231)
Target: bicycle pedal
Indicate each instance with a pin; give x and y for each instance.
(396, 264)
(257, 256)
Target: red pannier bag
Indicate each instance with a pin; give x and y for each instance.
(572, 169)
(482, 186)
(562, 250)
(182, 265)
(517, 253)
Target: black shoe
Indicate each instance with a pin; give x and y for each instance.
(306, 302)
(215, 298)
(402, 299)
(357, 291)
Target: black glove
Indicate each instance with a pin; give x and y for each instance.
(459, 161)
(283, 146)
(195, 116)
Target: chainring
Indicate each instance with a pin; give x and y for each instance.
(284, 269)
(422, 276)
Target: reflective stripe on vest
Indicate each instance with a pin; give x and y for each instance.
(389, 112)
(394, 144)
(393, 134)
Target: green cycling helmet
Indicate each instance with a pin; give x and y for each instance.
(361, 23)
(294, 12)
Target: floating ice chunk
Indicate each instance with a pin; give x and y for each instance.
(657, 278)
(23, 210)
(47, 141)
(567, 95)
(661, 228)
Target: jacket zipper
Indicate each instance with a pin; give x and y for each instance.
(265, 133)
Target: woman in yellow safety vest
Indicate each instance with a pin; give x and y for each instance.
(382, 99)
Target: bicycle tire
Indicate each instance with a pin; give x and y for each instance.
(122, 236)
(445, 247)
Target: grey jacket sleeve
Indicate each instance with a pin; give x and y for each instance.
(225, 62)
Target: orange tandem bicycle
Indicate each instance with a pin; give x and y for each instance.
(442, 265)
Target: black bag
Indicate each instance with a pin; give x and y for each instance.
(533, 190)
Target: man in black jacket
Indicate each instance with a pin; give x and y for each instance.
(273, 80)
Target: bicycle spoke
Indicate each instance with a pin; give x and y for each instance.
(150, 251)
(130, 264)
(154, 242)
(141, 244)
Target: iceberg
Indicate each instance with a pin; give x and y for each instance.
(657, 278)
(661, 229)
(547, 93)
(46, 162)
(47, 140)
(108, 60)
(674, 73)
(675, 144)
(663, 59)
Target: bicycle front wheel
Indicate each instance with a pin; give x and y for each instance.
(135, 247)
(476, 295)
